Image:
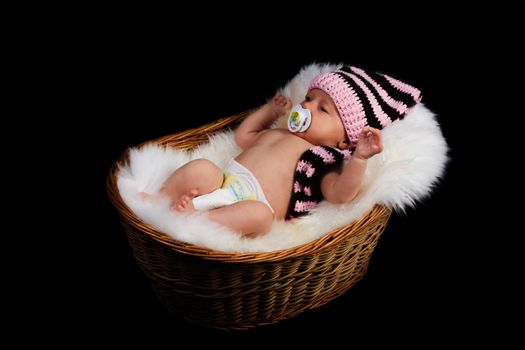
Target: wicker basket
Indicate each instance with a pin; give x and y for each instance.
(244, 290)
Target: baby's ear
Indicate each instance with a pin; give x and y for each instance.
(345, 144)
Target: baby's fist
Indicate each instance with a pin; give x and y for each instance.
(369, 143)
(280, 104)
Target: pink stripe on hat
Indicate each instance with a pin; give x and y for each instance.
(397, 105)
(346, 101)
(383, 118)
(345, 88)
(415, 93)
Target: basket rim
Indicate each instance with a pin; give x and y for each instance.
(313, 247)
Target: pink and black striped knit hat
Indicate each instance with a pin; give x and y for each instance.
(366, 98)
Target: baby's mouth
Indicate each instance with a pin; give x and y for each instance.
(299, 119)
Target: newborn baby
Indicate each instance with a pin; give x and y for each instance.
(283, 173)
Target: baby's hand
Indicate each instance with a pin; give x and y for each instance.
(369, 143)
(280, 104)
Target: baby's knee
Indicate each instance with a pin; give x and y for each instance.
(202, 165)
(202, 168)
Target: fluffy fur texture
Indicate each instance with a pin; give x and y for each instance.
(413, 160)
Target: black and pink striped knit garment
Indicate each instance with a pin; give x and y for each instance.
(313, 165)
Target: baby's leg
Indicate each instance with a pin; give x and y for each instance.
(249, 218)
(193, 179)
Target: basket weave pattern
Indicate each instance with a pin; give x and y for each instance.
(244, 290)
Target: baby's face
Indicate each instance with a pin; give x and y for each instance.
(326, 128)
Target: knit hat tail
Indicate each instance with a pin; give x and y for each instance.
(366, 98)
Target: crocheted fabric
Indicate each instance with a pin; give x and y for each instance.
(312, 166)
(366, 98)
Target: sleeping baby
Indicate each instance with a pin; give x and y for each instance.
(282, 174)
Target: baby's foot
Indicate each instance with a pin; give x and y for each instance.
(185, 203)
(280, 104)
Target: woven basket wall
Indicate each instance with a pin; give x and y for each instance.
(238, 290)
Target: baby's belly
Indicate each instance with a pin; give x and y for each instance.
(274, 172)
(278, 195)
(272, 160)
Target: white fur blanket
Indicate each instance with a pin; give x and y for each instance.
(413, 160)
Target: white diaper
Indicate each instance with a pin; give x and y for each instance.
(239, 185)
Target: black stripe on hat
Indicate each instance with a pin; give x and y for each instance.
(390, 111)
(369, 112)
(392, 91)
(347, 69)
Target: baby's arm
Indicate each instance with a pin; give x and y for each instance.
(261, 120)
(342, 188)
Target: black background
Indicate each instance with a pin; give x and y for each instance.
(434, 271)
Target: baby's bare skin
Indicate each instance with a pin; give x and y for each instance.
(272, 159)
(272, 155)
